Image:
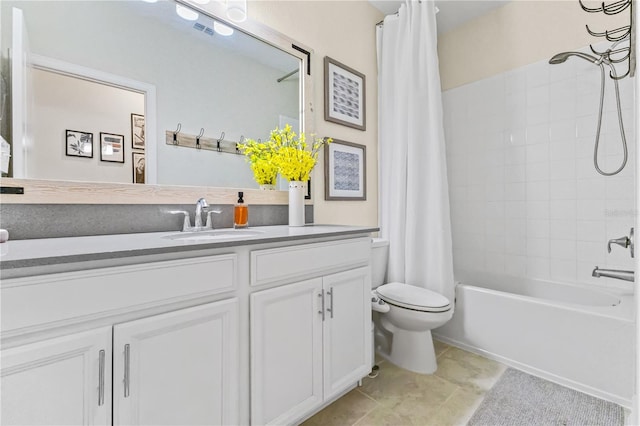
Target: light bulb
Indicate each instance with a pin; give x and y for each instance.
(186, 13)
(222, 29)
(237, 10)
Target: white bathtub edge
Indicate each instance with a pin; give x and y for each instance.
(624, 402)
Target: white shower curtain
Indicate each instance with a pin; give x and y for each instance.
(414, 197)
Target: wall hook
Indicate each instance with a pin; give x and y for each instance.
(218, 142)
(175, 134)
(238, 143)
(198, 138)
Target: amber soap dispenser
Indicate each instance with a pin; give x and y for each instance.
(240, 213)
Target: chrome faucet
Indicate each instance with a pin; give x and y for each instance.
(613, 273)
(201, 205)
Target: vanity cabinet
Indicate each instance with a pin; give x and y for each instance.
(174, 368)
(62, 381)
(310, 342)
(177, 368)
(264, 334)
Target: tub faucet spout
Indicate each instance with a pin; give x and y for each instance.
(613, 273)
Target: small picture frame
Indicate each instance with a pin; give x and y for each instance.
(138, 167)
(345, 171)
(137, 131)
(344, 95)
(79, 144)
(111, 147)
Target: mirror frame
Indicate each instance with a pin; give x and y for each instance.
(37, 191)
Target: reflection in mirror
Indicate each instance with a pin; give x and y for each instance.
(200, 80)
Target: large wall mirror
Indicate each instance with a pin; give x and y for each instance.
(103, 68)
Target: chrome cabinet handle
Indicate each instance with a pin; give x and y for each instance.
(321, 311)
(330, 293)
(127, 365)
(101, 378)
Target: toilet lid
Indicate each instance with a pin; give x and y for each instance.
(412, 297)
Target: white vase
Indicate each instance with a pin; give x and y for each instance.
(267, 187)
(297, 191)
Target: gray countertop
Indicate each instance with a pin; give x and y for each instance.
(53, 251)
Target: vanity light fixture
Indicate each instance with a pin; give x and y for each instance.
(186, 13)
(237, 10)
(222, 29)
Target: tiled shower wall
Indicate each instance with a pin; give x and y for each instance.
(525, 198)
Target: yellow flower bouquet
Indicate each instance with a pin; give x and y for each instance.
(260, 156)
(286, 153)
(292, 155)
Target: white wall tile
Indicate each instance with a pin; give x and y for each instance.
(563, 230)
(538, 209)
(538, 268)
(526, 199)
(514, 174)
(591, 230)
(515, 265)
(588, 251)
(562, 189)
(538, 228)
(537, 171)
(563, 169)
(537, 190)
(563, 249)
(515, 209)
(562, 151)
(537, 153)
(538, 247)
(563, 270)
(563, 131)
(563, 209)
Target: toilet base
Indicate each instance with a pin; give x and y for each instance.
(413, 351)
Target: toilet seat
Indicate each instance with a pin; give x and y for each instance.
(412, 297)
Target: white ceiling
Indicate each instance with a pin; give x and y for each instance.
(452, 12)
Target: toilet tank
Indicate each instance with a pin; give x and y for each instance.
(379, 257)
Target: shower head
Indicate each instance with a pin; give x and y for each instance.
(561, 57)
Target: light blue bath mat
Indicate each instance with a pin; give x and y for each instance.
(521, 399)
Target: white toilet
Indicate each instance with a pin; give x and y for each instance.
(407, 313)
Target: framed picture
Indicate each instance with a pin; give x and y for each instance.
(111, 147)
(79, 144)
(345, 172)
(344, 95)
(138, 166)
(137, 131)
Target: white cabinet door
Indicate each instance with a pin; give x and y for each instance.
(347, 329)
(178, 368)
(62, 381)
(286, 352)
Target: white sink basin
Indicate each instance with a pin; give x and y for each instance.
(219, 234)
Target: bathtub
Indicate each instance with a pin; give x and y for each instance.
(573, 335)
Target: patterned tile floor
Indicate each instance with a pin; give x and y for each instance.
(399, 397)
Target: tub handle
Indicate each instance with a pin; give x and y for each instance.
(623, 242)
